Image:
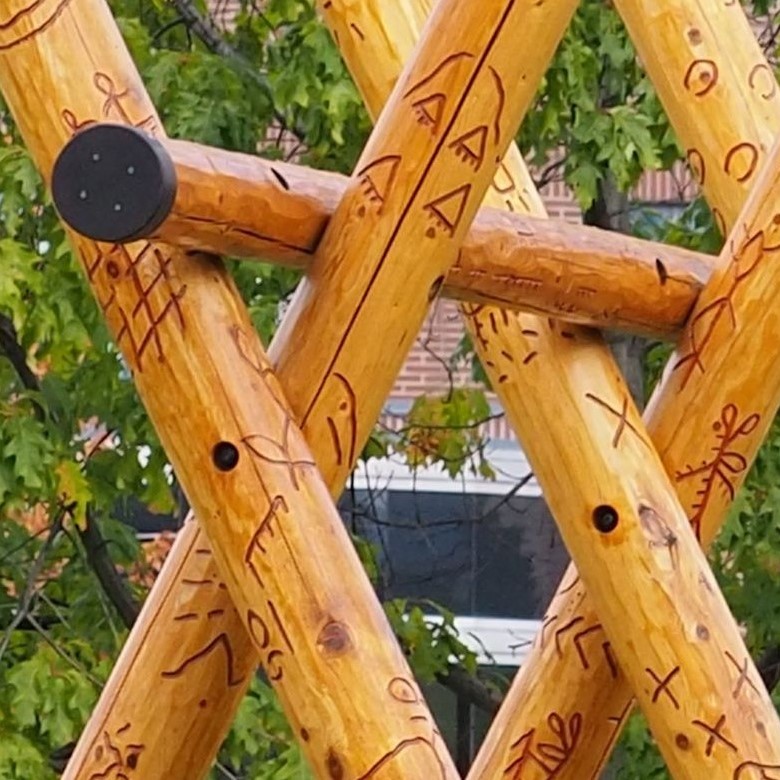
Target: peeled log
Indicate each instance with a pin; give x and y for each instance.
(240, 205)
(564, 397)
(739, 111)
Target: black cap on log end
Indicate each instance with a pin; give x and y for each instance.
(113, 183)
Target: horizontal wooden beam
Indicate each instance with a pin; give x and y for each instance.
(240, 205)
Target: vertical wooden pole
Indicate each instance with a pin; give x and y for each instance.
(567, 381)
(708, 77)
(435, 208)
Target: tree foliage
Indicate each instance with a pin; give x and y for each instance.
(75, 440)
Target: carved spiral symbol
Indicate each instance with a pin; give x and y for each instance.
(701, 77)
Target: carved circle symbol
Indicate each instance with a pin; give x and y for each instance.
(225, 455)
(682, 742)
(741, 161)
(701, 77)
(605, 518)
(766, 77)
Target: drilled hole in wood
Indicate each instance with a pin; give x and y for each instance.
(225, 456)
(605, 518)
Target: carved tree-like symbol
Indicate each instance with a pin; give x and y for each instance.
(480, 323)
(113, 758)
(551, 757)
(725, 466)
(664, 686)
(705, 321)
(622, 417)
(715, 735)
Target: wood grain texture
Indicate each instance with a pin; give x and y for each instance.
(707, 435)
(240, 205)
(588, 449)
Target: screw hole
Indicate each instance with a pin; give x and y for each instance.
(225, 456)
(605, 518)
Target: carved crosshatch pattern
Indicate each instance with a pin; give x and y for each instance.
(262, 499)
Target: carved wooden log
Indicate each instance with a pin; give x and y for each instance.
(730, 407)
(717, 88)
(240, 205)
(339, 395)
(570, 392)
(287, 560)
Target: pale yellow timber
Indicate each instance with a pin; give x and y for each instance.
(287, 561)
(347, 417)
(570, 392)
(241, 205)
(686, 46)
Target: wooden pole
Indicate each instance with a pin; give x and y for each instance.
(570, 390)
(240, 205)
(339, 396)
(587, 684)
(717, 88)
(287, 560)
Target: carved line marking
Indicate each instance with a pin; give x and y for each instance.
(410, 203)
(220, 642)
(284, 456)
(42, 25)
(443, 65)
(350, 406)
(745, 765)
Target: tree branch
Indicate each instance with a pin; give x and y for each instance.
(471, 688)
(114, 586)
(12, 349)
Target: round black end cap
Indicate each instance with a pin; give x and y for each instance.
(114, 183)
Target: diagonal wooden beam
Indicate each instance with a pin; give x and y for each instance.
(240, 205)
(570, 389)
(344, 397)
(708, 42)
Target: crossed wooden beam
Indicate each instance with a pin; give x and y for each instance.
(282, 585)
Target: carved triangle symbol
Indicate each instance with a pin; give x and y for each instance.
(377, 177)
(429, 110)
(448, 209)
(470, 147)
